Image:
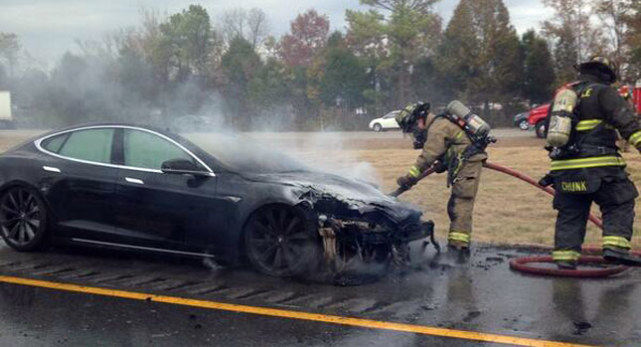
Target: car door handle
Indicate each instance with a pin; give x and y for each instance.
(134, 180)
(51, 169)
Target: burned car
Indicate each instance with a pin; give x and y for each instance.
(144, 189)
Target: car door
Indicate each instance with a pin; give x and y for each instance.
(162, 210)
(389, 121)
(79, 177)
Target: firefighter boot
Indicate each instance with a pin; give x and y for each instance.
(458, 252)
(566, 264)
(620, 256)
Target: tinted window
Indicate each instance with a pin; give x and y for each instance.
(53, 144)
(149, 151)
(91, 145)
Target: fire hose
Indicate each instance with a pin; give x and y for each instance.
(500, 168)
(522, 264)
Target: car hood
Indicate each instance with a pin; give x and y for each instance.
(340, 196)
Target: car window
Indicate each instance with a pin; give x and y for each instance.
(146, 150)
(91, 145)
(390, 115)
(53, 144)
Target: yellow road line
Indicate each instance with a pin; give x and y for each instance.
(264, 311)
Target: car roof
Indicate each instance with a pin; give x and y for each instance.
(165, 132)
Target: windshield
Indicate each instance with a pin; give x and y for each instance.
(244, 154)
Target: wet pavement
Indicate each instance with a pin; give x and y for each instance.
(483, 296)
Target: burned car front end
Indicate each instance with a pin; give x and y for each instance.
(354, 218)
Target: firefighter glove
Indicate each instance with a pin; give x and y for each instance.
(406, 181)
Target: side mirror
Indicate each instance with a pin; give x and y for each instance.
(182, 167)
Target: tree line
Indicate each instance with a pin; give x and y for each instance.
(392, 53)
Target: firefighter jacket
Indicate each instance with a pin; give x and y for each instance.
(601, 111)
(447, 143)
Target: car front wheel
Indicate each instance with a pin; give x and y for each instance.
(377, 127)
(23, 219)
(280, 241)
(524, 125)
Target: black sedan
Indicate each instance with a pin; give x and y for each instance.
(143, 189)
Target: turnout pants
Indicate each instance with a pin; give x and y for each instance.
(460, 207)
(615, 197)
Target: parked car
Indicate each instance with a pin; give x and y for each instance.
(537, 119)
(148, 190)
(386, 122)
(520, 120)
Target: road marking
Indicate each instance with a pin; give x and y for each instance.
(264, 311)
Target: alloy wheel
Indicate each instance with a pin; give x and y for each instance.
(278, 241)
(21, 218)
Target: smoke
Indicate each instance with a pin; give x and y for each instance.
(329, 151)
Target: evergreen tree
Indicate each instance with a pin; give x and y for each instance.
(480, 58)
(539, 77)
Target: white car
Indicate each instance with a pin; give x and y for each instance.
(386, 122)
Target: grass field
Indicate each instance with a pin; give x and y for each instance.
(508, 211)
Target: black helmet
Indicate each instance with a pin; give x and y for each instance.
(601, 64)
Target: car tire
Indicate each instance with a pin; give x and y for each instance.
(280, 240)
(377, 127)
(540, 129)
(524, 125)
(23, 219)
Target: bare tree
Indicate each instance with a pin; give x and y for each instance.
(572, 34)
(613, 14)
(250, 25)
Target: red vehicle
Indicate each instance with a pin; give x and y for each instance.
(538, 114)
(537, 119)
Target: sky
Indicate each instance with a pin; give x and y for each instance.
(48, 28)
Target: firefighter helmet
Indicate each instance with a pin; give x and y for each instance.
(601, 64)
(406, 119)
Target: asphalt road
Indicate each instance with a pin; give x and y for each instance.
(483, 296)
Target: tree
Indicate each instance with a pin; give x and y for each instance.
(187, 41)
(572, 35)
(367, 39)
(9, 49)
(344, 78)
(411, 29)
(539, 77)
(251, 25)
(307, 36)
(632, 39)
(239, 66)
(612, 15)
(480, 58)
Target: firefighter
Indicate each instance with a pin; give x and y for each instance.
(447, 144)
(587, 166)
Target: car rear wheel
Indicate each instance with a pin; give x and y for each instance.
(540, 129)
(280, 241)
(377, 127)
(23, 219)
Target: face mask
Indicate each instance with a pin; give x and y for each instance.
(419, 136)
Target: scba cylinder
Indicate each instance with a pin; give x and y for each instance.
(475, 125)
(560, 127)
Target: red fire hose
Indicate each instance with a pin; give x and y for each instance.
(496, 167)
